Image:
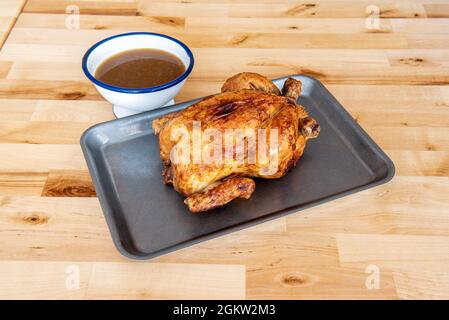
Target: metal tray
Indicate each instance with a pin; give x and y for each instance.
(147, 218)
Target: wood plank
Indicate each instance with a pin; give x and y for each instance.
(399, 98)
(437, 10)
(422, 284)
(68, 183)
(55, 53)
(11, 109)
(427, 41)
(436, 117)
(400, 207)
(289, 25)
(112, 7)
(407, 138)
(417, 59)
(418, 262)
(72, 111)
(40, 89)
(298, 26)
(420, 163)
(392, 250)
(420, 26)
(225, 39)
(45, 226)
(102, 22)
(396, 138)
(82, 234)
(5, 67)
(315, 9)
(337, 66)
(316, 282)
(55, 110)
(408, 163)
(9, 10)
(40, 157)
(373, 105)
(37, 132)
(104, 280)
(393, 81)
(22, 183)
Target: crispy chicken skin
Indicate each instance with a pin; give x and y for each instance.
(250, 81)
(248, 101)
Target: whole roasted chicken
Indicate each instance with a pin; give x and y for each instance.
(211, 149)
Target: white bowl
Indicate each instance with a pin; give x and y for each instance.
(128, 101)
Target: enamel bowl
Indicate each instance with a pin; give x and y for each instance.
(128, 101)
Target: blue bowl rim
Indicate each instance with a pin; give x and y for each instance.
(138, 90)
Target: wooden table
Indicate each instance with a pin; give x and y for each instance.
(54, 242)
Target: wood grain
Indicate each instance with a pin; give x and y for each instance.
(394, 81)
(9, 10)
(64, 183)
(105, 280)
(112, 7)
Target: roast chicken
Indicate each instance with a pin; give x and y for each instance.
(248, 102)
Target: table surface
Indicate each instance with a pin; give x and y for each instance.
(391, 74)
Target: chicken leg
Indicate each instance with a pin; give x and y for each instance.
(221, 193)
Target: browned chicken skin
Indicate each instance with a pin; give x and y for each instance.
(248, 102)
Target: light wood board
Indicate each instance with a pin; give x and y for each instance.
(393, 80)
(9, 10)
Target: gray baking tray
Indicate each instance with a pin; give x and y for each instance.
(147, 218)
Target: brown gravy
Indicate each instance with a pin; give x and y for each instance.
(140, 68)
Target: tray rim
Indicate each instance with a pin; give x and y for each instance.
(113, 228)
